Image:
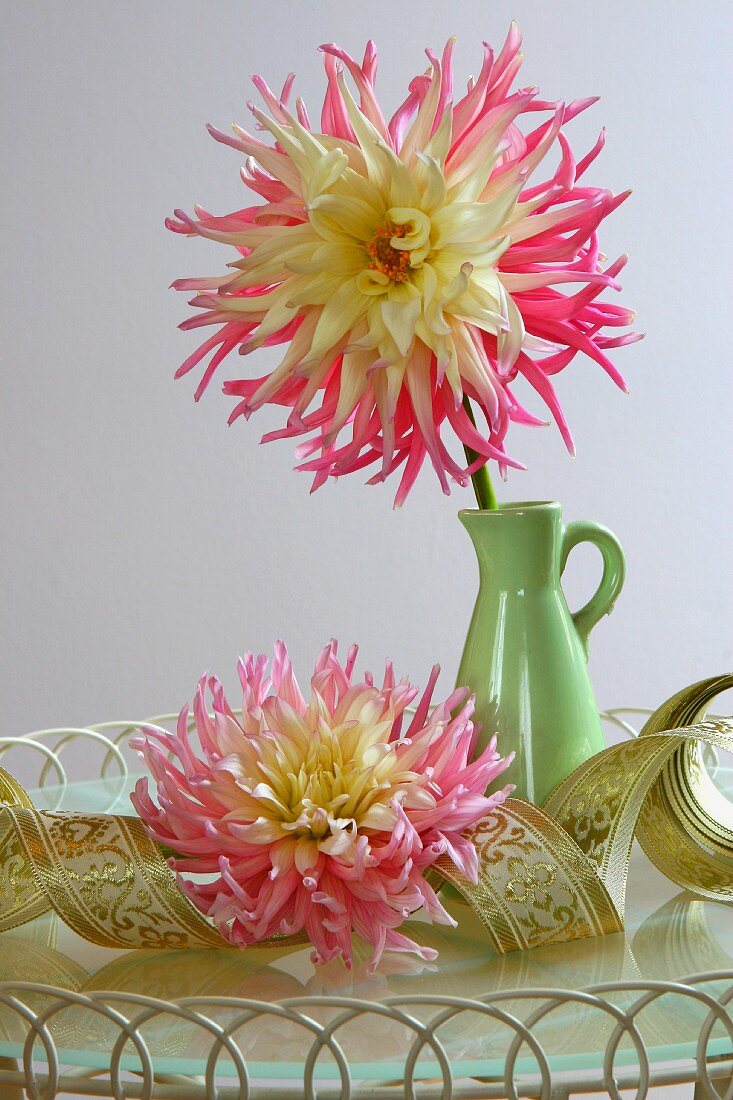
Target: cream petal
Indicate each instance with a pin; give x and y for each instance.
(509, 341)
(464, 223)
(354, 381)
(338, 316)
(305, 854)
(400, 319)
(403, 189)
(326, 173)
(370, 141)
(372, 283)
(418, 135)
(416, 224)
(433, 183)
(353, 216)
(261, 831)
(378, 817)
(277, 164)
(338, 844)
(319, 289)
(440, 143)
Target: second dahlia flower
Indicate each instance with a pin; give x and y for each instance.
(412, 266)
(321, 815)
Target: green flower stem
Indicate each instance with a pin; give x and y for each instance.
(484, 490)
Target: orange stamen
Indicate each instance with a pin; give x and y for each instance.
(393, 262)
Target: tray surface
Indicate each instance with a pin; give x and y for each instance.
(457, 1017)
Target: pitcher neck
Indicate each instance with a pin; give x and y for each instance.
(517, 544)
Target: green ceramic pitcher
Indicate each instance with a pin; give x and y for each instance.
(525, 654)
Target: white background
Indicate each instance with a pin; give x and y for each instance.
(144, 541)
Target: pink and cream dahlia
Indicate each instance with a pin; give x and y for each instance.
(413, 267)
(318, 816)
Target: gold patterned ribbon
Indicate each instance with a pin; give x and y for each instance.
(546, 875)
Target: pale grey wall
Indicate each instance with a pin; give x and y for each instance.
(144, 541)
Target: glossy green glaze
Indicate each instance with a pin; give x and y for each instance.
(525, 654)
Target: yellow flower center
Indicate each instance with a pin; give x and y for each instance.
(391, 261)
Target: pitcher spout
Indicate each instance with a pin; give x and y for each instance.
(517, 544)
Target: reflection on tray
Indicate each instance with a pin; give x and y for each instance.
(679, 938)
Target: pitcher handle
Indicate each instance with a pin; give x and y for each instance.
(614, 571)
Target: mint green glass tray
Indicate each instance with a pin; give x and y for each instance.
(651, 1005)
